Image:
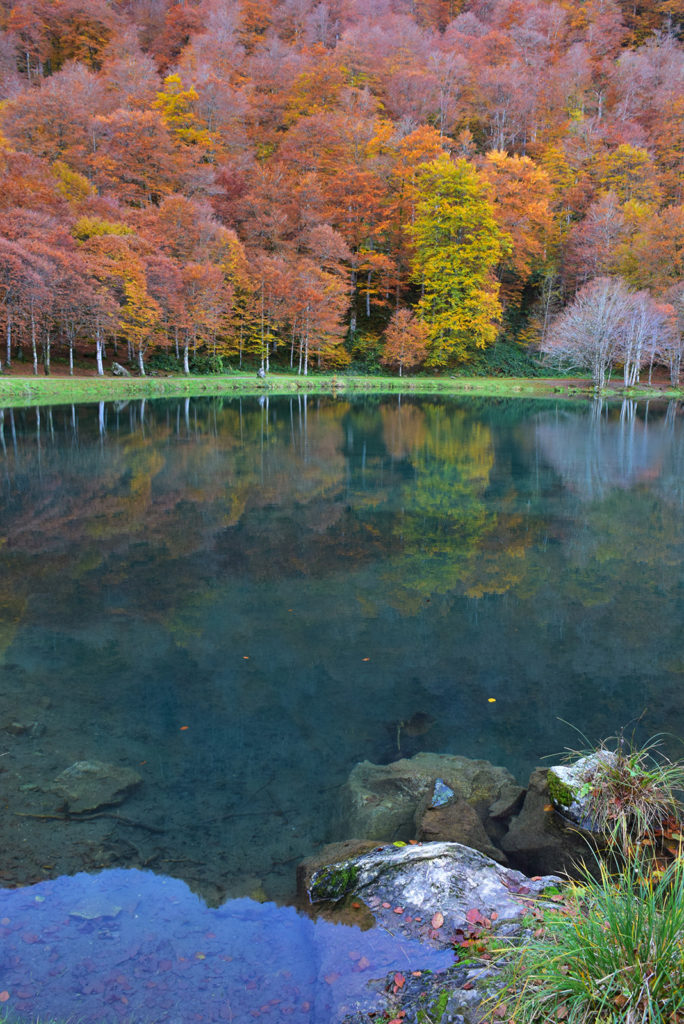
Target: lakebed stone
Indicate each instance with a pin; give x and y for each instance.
(89, 785)
(380, 801)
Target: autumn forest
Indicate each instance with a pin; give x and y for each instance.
(342, 184)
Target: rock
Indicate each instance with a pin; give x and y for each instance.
(31, 729)
(540, 840)
(454, 821)
(453, 996)
(380, 801)
(120, 371)
(569, 786)
(87, 785)
(432, 891)
(330, 854)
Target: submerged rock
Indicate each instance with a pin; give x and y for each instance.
(381, 801)
(88, 785)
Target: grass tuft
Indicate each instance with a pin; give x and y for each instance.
(612, 952)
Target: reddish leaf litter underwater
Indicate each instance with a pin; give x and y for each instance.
(131, 945)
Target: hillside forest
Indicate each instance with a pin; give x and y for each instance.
(344, 184)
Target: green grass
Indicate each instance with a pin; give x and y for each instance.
(612, 953)
(23, 391)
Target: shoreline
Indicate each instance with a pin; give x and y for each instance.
(17, 392)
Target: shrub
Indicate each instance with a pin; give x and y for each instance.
(633, 791)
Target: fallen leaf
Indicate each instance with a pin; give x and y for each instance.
(356, 906)
(474, 916)
(4, 996)
(416, 974)
(547, 808)
(398, 910)
(387, 905)
(437, 919)
(399, 980)
(562, 1012)
(494, 916)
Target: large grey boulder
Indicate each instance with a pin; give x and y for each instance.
(380, 801)
(88, 785)
(431, 891)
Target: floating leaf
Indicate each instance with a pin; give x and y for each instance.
(4, 996)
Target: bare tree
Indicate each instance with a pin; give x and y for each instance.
(588, 333)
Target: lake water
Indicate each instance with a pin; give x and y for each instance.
(242, 599)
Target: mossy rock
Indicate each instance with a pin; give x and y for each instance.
(334, 881)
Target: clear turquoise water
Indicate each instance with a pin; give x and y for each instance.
(241, 601)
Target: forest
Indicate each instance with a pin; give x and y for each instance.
(345, 185)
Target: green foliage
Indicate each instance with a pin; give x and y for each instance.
(504, 359)
(612, 952)
(207, 364)
(164, 361)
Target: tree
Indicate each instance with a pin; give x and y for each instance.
(457, 244)
(603, 325)
(405, 341)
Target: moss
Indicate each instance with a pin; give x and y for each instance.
(434, 1013)
(560, 793)
(333, 881)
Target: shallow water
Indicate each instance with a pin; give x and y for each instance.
(242, 600)
(128, 945)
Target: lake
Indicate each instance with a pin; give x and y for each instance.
(241, 599)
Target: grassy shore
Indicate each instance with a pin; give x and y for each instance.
(18, 391)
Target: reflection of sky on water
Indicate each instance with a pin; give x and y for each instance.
(134, 946)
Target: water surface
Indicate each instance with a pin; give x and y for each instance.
(241, 600)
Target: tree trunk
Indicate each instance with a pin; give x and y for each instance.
(34, 348)
(186, 357)
(46, 355)
(141, 363)
(98, 350)
(9, 340)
